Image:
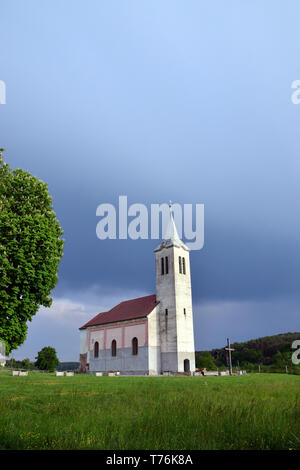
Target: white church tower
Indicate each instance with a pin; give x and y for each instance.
(174, 294)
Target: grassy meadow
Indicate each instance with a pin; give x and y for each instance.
(257, 411)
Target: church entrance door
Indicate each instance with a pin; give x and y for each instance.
(186, 365)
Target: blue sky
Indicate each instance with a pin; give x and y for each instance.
(189, 101)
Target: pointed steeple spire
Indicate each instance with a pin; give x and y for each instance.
(171, 237)
(171, 231)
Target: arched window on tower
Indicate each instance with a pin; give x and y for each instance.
(180, 269)
(114, 347)
(135, 347)
(183, 265)
(167, 265)
(162, 266)
(96, 350)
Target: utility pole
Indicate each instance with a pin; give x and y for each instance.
(229, 349)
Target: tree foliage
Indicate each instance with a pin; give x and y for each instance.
(204, 359)
(47, 359)
(30, 251)
(26, 364)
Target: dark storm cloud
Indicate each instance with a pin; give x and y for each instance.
(161, 101)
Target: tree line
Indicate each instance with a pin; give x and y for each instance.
(46, 360)
(266, 354)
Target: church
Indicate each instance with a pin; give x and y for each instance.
(149, 335)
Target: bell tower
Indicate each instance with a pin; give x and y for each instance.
(174, 294)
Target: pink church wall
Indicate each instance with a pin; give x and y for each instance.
(113, 333)
(98, 336)
(123, 333)
(138, 331)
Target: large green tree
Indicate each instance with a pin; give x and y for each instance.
(205, 360)
(26, 363)
(30, 251)
(47, 359)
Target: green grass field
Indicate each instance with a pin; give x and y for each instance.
(41, 411)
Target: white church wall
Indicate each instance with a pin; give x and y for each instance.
(174, 293)
(154, 342)
(185, 325)
(84, 353)
(83, 341)
(165, 294)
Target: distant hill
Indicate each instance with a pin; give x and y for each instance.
(271, 352)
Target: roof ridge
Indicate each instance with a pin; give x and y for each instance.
(122, 311)
(137, 298)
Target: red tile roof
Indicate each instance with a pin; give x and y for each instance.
(127, 310)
